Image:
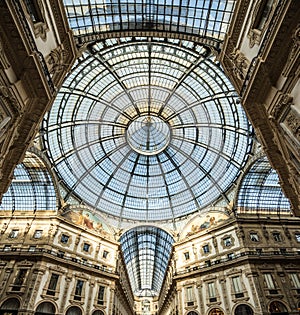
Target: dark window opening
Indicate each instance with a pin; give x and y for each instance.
(52, 284)
(64, 238)
(100, 299)
(19, 280)
(78, 290)
(34, 11)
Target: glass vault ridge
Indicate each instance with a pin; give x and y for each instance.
(202, 18)
(146, 251)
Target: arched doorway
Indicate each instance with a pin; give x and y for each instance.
(192, 313)
(243, 309)
(277, 308)
(97, 313)
(216, 311)
(45, 308)
(10, 307)
(74, 310)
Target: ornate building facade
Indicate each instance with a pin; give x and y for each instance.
(149, 157)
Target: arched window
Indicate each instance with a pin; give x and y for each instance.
(32, 187)
(45, 308)
(216, 311)
(74, 310)
(98, 313)
(243, 310)
(10, 307)
(278, 308)
(192, 313)
(260, 190)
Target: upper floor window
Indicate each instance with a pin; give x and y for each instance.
(52, 284)
(263, 14)
(227, 241)
(205, 249)
(78, 290)
(105, 254)
(297, 235)
(38, 234)
(64, 238)
(269, 281)
(100, 299)
(211, 289)
(19, 280)
(187, 255)
(254, 237)
(34, 10)
(295, 280)
(86, 247)
(14, 233)
(190, 296)
(236, 283)
(277, 237)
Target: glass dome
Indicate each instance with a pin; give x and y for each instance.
(147, 129)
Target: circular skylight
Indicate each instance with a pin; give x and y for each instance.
(147, 129)
(148, 135)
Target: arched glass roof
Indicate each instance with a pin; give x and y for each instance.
(32, 187)
(206, 19)
(147, 129)
(260, 190)
(146, 252)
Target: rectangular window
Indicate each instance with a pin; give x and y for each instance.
(297, 235)
(211, 289)
(78, 290)
(277, 237)
(105, 254)
(34, 10)
(254, 237)
(86, 247)
(205, 249)
(269, 281)
(52, 284)
(236, 283)
(101, 291)
(295, 280)
(187, 255)
(14, 234)
(19, 280)
(38, 234)
(263, 13)
(227, 241)
(189, 294)
(64, 238)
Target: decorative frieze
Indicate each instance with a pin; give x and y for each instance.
(56, 60)
(239, 64)
(293, 58)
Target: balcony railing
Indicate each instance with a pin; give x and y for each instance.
(54, 253)
(249, 254)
